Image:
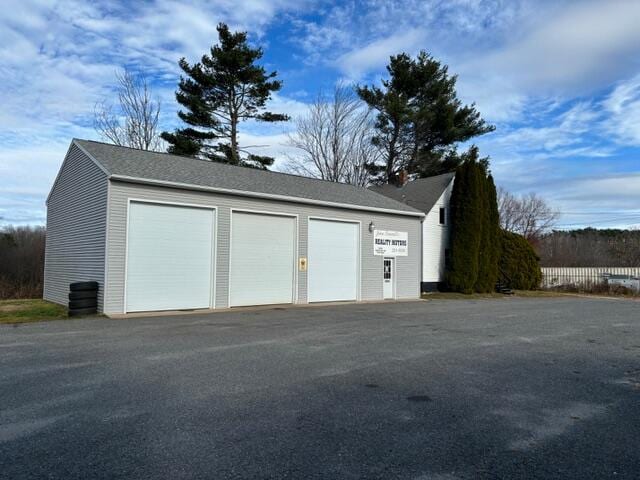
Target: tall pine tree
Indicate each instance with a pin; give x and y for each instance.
(224, 89)
(420, 119)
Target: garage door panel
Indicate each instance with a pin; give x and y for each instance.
(333, 261)
(261, 270)
(169, 257)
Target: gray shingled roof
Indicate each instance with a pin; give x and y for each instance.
(422, 193)
(164, 167)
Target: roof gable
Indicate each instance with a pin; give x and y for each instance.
(421, 194)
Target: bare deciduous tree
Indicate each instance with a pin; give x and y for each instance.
(528, 215)
(133, 122)
(21, 262)
(590, 247)
(334, 139)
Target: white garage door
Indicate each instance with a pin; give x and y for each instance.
(262, 259)
(333, 261)
(169, 257)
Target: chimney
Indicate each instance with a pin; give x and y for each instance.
(403, 176)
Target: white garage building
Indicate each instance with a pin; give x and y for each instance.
(164, 232)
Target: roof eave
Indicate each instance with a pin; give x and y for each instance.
(244, 193)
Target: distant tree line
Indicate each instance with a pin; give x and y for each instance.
(21, 262)
(590, 247)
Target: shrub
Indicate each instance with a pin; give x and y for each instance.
(519, 267)
(602, 288)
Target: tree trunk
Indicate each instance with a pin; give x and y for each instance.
(391, 159)
(235, 155)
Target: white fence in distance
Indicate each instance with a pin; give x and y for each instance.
(582, 276)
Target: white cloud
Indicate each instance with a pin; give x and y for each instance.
(376, 54)
(505, 52)
(27, 173)
(58, 57)
(274, 145)
(496, 100)
(289, 106)
(623, 107)
(566, 130)
(606, 200)
(357, 38)
(584, 45)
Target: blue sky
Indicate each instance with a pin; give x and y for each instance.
(559, 79)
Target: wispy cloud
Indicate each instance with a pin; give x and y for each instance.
(376, 54)
(575, 48)
(623, 108)
(59, 58)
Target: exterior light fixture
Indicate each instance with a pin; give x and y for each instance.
(372, 227)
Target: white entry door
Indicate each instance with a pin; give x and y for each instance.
(169, 257)
(333, 261)
(387, 278)
(261, 268)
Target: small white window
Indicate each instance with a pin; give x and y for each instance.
(443, 216)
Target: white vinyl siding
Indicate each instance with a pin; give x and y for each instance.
(76, 228)
(333, 261)
(169, 257)
(407, 269)
(261, 270)
(436, 239)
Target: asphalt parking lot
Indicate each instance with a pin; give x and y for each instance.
(507, 388)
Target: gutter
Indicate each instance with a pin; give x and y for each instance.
(269, 196)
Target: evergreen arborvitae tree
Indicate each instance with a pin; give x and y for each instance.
(224, 89)
(420, 119)
(475, 227)
(496, 243)
(485, 235)
(490, 242)
(466, 224)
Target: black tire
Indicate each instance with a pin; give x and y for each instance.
(83, 294)
(76, 312)
(83, 286)
(83, 303)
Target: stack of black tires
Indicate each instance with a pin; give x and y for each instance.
(83, 298)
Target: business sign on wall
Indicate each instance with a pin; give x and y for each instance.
(390, 243)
